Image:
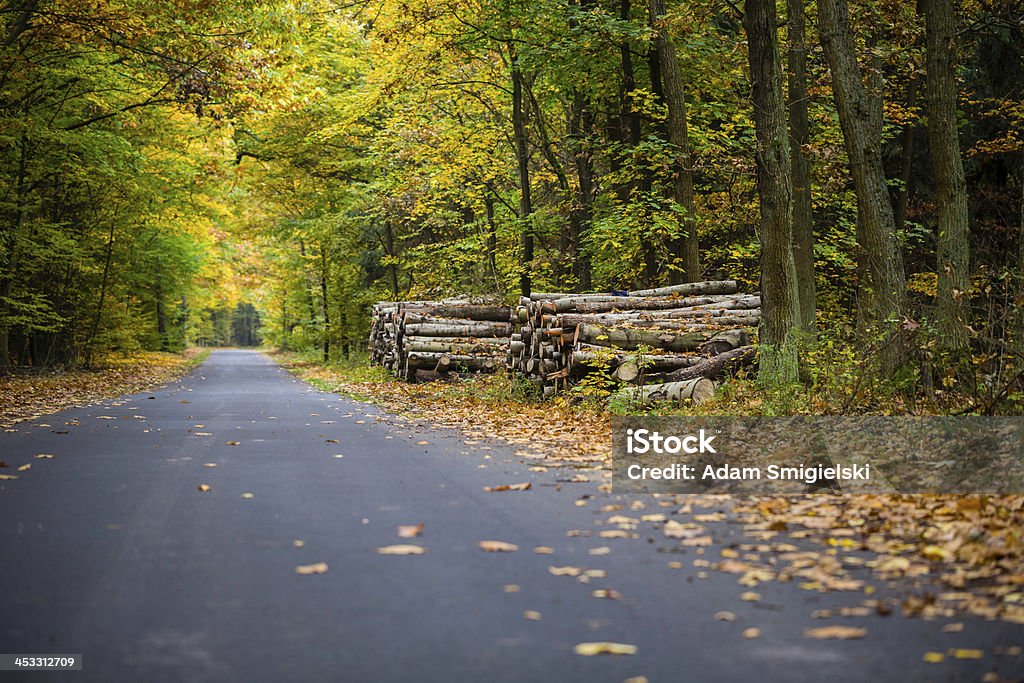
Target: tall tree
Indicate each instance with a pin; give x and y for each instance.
(952, 310)
(779, 297)
(799, 131)
(884, 289)
(685, 248)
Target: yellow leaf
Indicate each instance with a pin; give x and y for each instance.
(959, 653)
(307, 569)
(752, 633)
(836, 632)
(605, 648)
(543, 550)
(205, 487)
(7, 476)
(750, 596)
(232, 443)
(937, 553)
(725, 616)
(933, 657)
(532, 615)
(247, 495)
(25, 467)
(42, 456)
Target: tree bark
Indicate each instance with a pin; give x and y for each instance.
(799, 128)
(885, 286)
(779, 297)
(718, 366)
(952, 310)
(686, 247)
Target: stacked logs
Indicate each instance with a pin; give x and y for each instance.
(682, 328)
(408, 337)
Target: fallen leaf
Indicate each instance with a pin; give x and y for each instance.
(961, 653)
(43, 456)
(937, 553)
(7, 476)
(934, 657)
(532, 615)
(752, 633)
(525, 486)
(604, 648)
(209, 464)
(204, 487)
(750, 596)
(401, 549)
(232, 443)
(498, 547)
(247, 495)
(543, 550)
(298, 543)
(511, 588)
(422, 443)
(565, 571)
(410, 530)
(603, 550)
(607, 594)
(953, 628)
(835, 632)
(25, 467)
(725, 616)
(307, 569)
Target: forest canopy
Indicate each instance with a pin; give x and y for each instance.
(178, 173)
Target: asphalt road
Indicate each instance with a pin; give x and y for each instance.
(109, 549)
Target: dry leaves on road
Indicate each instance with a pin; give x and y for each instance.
(410, 530)
(308, 569)
(498, 547)
(401, 549)
(836, 632)
(30, 394)
(605, 648)
(525, 486)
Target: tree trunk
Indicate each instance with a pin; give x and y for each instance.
(799, 127)
(885, 286)
(523, 165)
(630, 338)
(697, 390)
(906, 162)
(780, 304)
(686, 247)
(952, 310)
(718, 366)
(389, 247)
(326, 308)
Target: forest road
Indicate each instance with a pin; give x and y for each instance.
(111, 550)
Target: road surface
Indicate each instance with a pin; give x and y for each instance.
(110, 550)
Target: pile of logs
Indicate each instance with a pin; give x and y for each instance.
(664, 343)
(686, 335)
(439, 336)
